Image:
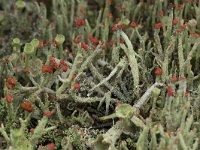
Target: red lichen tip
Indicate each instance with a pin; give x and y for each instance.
(111, 43)
(183, 26)
(10, 83)
(175, 21)
(84, 45)
(51, 58)
(174, 79)
(73, 76)
(45, 68)
(8, 98)
(26, 70)
(47, 113)
(80, 22)
(64, 68)
(26, 105)
(158, 25)
(180, 7)
(31, 130)
(170, 91)
(110, 1)
(77, 86)
(133, 24)
(158, 71)
(51, 146)
(62, 62)
(161, 13)
(187, 1)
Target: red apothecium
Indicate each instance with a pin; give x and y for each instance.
(8, 98)
(133, 24)
(158, 25)
(77, 86)
(26, 105)
(158, 71)
(47, 113)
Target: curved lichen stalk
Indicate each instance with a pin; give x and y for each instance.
(120, 66)
(132, 60)
(77, 62)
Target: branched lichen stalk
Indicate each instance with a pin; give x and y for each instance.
(119, 66)
(147, 95)
(78, 60)
(97, 75)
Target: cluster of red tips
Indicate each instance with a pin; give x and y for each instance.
(80, 22)
(10, 83)
(26, 105)
(50, 68)
(118, 26)
(93, 40)
(47, 69)
(64, 66)
(84, 45)
(53, 62)
(114, 28)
